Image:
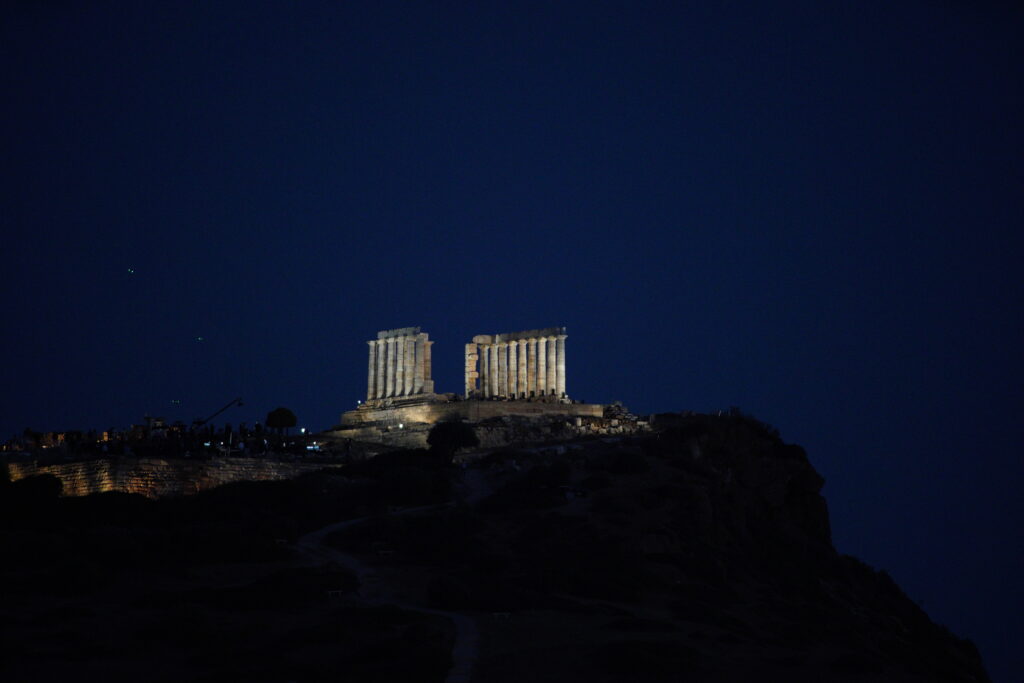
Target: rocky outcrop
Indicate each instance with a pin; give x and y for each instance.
(159, 477)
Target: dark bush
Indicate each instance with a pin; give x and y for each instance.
(446, 438)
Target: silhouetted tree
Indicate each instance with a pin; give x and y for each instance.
(447, 437)
(281, 419)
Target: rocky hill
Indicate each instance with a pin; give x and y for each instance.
(700, 551)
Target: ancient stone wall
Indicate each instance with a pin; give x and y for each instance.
(497, 423)
(472, 411)
(158, 477)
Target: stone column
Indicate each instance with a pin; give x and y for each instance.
(513, 375)
(399, 366)
(502, 369)
(560, 376)
(392, 345)
(552, 365)
(428, 379)
(371, 377)
(531, 368)
(521, 370)
(417, 384)
(492, 370)
(482, 352)
(484, 370)
(382, 375)
(542, 366)
(410, 364)
(471, 372)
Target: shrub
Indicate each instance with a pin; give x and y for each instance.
(445, 438)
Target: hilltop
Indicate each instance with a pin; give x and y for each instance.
(700, 550)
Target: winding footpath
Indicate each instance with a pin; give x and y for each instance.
(466, 650)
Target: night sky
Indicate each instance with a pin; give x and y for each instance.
(813, 213)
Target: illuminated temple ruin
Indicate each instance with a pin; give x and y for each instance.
(517, 365)
(508, 375)
(399, 364)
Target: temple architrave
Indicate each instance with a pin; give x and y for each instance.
(517, 365)
(399, 365)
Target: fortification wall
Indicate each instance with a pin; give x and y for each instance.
(158, 477)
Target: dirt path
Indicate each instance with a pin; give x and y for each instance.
(372, 591)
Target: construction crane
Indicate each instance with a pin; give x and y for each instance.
(198, 422)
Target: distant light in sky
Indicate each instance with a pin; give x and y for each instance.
(131, 270)
(199, 339)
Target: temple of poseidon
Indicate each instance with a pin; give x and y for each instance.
(510, 374)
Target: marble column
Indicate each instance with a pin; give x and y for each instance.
(410, 364)
(492, 374)
(542, 366)
(392, 344)
(502, 369)
(552, 365)
(382, 375)
(521, 370)
(399, 366)
(485, 371)
(371, 377)
(560, 375)
(513, 375)
(471, 369)
(531, 368)
(417, 384)
(428, 379)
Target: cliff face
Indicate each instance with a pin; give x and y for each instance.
(700, 552)
(158, 477)
(732, 522)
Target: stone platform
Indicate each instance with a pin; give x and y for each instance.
(405, 423)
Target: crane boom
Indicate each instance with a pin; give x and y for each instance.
(200, 422)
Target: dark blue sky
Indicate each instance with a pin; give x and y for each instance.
(811, 212)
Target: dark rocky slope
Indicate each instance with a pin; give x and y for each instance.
(701, 552)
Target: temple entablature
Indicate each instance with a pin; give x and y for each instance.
(398, 332)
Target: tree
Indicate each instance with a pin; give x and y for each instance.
(281, 418)
(447, 437)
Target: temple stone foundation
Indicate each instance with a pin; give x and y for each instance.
(407, 425)
(517, 365)
(443, 408)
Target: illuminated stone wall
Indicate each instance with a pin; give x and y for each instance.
(471, 411)
(158, 477)
(407, 426)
